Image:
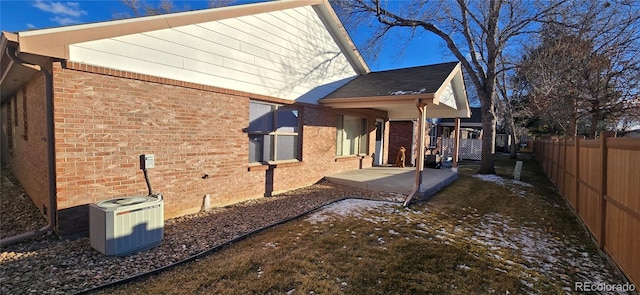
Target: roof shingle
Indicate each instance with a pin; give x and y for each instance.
(415, 80)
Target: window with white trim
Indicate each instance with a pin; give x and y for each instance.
(273, 132)
(352, 136)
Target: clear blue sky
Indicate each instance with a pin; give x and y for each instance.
(22, 15)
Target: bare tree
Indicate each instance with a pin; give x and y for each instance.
(583, 73)
(630, 120)
(552, 74)
(143, 8)
(475, 32)
(220, 3)
(504, 109)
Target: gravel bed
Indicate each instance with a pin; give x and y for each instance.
(18, 214)
(48, 265)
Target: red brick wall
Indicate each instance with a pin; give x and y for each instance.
(400, 134)
(105, 119)
(27, 159)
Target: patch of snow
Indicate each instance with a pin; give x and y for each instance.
(270, 245)
(522, 183)
(260, 272)
(511, 183)
(491, 178)
(500, 270)
(348, 207)
(465, 267)
(403, 92)
(421, 232)
(500, 180)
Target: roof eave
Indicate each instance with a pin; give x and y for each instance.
(456, 70)
(460, 94)
(340, 35)
(372, 102)
(7, 40)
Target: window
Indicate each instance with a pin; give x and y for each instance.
(273, 132)
(352, 136)
(446, 132)
(433, 136)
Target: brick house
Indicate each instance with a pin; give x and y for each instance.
(233, 102)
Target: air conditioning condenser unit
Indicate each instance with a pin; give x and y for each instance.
(126, 225)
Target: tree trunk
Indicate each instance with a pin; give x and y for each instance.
(573, 126)
(489, 91)
(488, 136)
(594, 112)
(514, 138)
(514, 146)
(593, 127)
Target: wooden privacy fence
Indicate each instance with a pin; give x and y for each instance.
(600, 178)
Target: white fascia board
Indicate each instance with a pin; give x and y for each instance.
(340, 35)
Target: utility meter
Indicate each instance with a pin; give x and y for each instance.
(147, 161)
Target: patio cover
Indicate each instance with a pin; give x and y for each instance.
(440, 87)
(434, 91)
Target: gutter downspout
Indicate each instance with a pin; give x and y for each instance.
(422, 109)
(48, 78)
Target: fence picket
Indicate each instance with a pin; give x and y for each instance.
(601, 167)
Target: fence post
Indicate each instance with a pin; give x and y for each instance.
(564, 168)
(556, 157)
(577, 173)
(547, 156)
(603, 185)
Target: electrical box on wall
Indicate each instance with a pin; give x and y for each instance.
(147, 161)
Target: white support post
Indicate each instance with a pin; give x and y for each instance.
(421, 136)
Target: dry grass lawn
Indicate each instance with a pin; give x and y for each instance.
(480, 235)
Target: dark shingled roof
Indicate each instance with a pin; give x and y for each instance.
(423, 79)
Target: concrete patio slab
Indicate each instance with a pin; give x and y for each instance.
(395, 180)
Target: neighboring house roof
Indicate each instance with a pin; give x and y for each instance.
(296, 50)
(633, 133)
(474, 121)
(440, 86)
